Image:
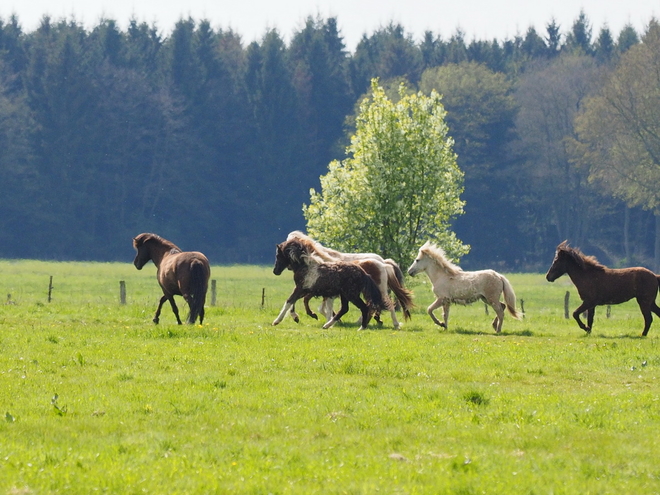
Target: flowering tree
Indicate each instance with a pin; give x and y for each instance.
(400, 185)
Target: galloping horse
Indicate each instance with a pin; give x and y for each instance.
(385, 272)
(179, 273)
(598, 285)
(452, 285)
(315, 277)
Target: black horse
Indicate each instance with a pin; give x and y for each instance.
(316, 278)
(599, 285)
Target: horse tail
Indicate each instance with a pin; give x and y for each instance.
(198, 286)
(397, 270)
(403, 295)
(510, 299)
(373, 295)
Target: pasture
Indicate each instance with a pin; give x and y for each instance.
(95, 398)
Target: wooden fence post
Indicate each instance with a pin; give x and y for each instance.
(122, 292)
(214, 292)
(263, 297)
(50, 289)
(566, 298)
(522, 307)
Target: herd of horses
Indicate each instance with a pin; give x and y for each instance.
(319, 271)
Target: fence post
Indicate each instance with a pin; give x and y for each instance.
(522, 307)
(50, 289)
(609, 311)
(213, 292)
(566, 298)
(122, 292)
(263, 297)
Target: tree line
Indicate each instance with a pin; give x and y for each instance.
(107, 133)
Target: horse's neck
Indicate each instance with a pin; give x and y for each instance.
(578, 275)
(436, 274)
(159, 253)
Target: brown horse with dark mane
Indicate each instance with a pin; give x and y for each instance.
(598, 285)
(179, 273)
(317, 278)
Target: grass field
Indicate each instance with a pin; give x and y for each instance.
(95, 398)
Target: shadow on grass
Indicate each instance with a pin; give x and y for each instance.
(521, 333)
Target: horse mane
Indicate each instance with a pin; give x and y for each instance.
(141, 239)
(301, 250)
(315, 247)
(581, 259)
(437, 254)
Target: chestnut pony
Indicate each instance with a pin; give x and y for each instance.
(179, 274)
(598, 285)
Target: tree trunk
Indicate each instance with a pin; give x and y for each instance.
(626, 233)
(656, 253)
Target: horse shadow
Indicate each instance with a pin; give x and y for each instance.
(520, 333)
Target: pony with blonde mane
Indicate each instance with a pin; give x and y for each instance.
(453, 285)
(386, 273)
(317, 278)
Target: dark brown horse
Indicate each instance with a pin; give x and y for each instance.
(179, 273)
(598, 285)
(317, 278)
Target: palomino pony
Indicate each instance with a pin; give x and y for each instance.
(317, 278)
(179, 273)
(385, 272)
(598, 285)
(452, 285)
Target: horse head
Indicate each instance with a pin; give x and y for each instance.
(143, 254)
(564, 256)
(420, 263)
(282, 260)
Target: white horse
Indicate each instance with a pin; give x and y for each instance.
(385, 272)
(452, 285)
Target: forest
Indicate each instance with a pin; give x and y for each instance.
(106, 133)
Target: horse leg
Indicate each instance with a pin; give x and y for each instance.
(499, 319)
(395, 322)
(436, 304)
(308, 310)
(326, 308)
(445, 312)
(342, 311)
(366, 315)
(288, 304)
(201, 315)
(590, 316)
(160, 305)
(646, 313)
(293, 313)
(175, 310)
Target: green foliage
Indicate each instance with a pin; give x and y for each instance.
(620, 124)
(238, 406)
(400, 185)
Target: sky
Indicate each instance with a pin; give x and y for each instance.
(478, 19)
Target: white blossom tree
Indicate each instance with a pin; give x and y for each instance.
(399, 186)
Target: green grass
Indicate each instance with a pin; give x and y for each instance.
(96, 398)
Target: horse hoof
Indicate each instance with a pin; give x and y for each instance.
(296, 319)
(314, 316)
(156, 321)
(275, 323)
